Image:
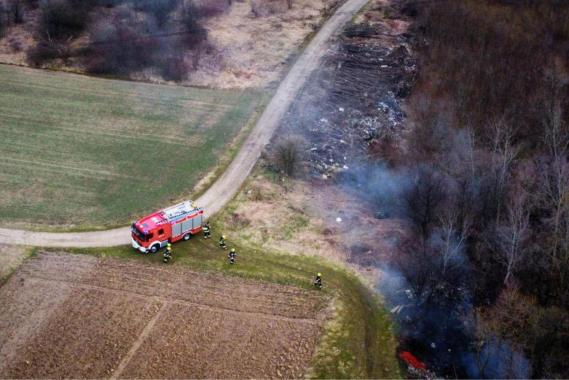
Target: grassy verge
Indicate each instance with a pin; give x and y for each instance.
(11, 257)
(357, 341)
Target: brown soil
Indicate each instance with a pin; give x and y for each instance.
(64, 315)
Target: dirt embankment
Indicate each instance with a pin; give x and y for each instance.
(65, 315)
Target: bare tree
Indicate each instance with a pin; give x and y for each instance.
(2, 20)
(453, 237)
(288, 156)
(510, 237)
(16, 8)
(503, 155)
(553, 193)
(424, 198)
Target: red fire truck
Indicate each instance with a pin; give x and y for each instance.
(172, 224)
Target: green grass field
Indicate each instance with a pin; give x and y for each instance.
(86, 151)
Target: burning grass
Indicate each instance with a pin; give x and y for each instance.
(86, 151)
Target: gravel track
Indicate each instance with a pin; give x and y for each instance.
(227, 185)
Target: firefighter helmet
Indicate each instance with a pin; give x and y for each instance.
(223, 236)
(319, 274)
(169, 245)
(232, 249)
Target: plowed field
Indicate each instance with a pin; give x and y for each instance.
(64, 315)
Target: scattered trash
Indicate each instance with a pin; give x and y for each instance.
(397, 309)
(362, 104)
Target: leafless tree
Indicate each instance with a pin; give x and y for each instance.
(2, 20)
(511, 236)
(424, 198)
(287, 156)
(453, 237)
(503, 155)
(16, 8)
(553, 193)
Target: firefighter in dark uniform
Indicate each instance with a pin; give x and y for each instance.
(206, 231)
(232, 256)
(167, 256)
(318, 281)
(222, 242)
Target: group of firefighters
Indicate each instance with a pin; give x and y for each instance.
(232, 255)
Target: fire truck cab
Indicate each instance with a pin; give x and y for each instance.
(169, 225)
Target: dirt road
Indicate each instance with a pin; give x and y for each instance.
(78, 316)
(229, 183)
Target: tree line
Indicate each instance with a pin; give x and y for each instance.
(489, 141)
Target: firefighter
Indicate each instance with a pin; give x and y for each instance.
(206, 230)
(232, 256)
(222, 242)
(318, 281)
(167, 256)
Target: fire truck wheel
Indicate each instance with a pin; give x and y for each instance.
(187, 236)
(155, 248)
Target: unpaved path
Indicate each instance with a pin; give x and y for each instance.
(229, 183)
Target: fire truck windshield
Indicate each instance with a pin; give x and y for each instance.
(138, 233)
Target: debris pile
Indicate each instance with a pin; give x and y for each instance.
(355, 99)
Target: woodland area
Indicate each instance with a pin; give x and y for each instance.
(120, 37)
(487, 152)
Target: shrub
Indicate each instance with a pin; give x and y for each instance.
(174, 68)
(195, 33)
(160, 10)
(46, 51)
(2, 21)
(16, 9)
(263, 8)
(120, 47)
(288, 156)
(62, 19)
(211, 8)
(110, 3)
(15, 45)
